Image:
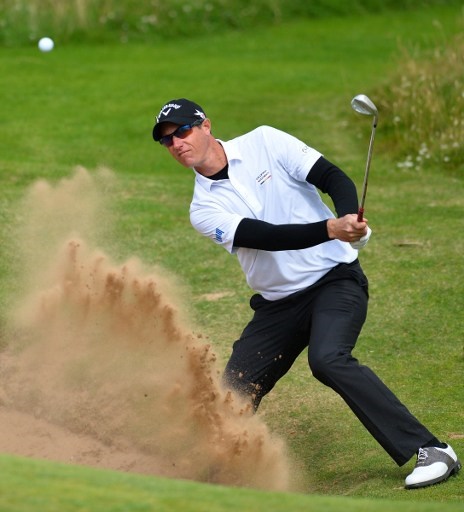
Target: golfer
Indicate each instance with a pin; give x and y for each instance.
(257, 196)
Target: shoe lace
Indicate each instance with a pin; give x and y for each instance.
(422, 455)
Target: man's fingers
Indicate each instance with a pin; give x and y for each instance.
(347, 228)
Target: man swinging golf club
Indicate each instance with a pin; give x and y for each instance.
(257, 196)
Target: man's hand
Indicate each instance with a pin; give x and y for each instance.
(362, 241)
(347, 228)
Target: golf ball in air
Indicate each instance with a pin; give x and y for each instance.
(46, 44)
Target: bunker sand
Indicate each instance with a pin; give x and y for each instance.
(101, 367)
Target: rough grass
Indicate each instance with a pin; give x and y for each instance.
(24, 21)
(423, 107)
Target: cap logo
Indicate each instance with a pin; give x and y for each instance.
(166, 109)
(200, 114)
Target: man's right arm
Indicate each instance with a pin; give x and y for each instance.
(258, 234)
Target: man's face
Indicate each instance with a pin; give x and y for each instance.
(191, 149)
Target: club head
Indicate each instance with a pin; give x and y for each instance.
(363, 105)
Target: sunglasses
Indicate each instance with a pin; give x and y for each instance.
(180, 133)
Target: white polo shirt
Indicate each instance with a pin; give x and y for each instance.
(267, 181)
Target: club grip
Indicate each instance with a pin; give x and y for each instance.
(360, 214)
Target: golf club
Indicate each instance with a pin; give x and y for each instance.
(363, 105)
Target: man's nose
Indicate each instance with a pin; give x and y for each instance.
(176, 141)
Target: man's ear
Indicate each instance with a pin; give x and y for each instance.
(207, 124)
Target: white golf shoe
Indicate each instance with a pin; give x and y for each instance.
(434, 465)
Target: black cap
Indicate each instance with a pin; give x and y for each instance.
(179, 112)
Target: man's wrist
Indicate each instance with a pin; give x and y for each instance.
(331, 228)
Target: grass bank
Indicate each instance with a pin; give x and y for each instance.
(60, 488)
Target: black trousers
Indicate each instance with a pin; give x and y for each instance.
(327, 318)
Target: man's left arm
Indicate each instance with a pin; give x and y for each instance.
(329, 179)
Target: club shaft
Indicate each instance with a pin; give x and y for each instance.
(366, 174)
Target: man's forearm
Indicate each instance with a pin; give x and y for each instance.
(257, 234)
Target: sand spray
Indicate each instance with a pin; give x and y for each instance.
(105, 350)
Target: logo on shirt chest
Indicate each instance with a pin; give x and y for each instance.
(263, 177)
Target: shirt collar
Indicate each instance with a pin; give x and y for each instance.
(232, 153)
(231, 150)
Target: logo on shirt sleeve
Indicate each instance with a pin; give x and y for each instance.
(218, 235)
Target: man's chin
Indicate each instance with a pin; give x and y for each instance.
(185, 160)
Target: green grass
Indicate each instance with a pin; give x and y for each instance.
(424, 109)
(94, 105)
(123, 21)
(59, 488)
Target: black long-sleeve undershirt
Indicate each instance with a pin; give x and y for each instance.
(331, 180)
(258, 234)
